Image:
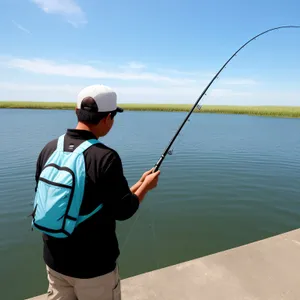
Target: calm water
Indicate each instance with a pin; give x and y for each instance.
(231, 180)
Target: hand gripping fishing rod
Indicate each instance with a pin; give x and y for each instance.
(159, 162)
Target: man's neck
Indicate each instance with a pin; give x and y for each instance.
(82, 126)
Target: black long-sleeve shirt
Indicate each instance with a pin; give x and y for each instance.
(93, 249)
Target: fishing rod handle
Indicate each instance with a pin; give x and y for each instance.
(157, 165)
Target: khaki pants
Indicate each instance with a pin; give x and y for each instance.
(106, 287)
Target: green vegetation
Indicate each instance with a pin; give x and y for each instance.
(283, 111)
(37, 105)
(276, 111)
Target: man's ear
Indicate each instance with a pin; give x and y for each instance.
(106, 118)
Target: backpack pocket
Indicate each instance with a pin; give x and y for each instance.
(53, 200)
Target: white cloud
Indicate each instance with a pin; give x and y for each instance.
(149, 94)
(95, 62)
(69, 9)
(47, 67)
(136, 65)
(12, 86)
(238, 81)
(140, 86)
(186, 73)
(126, 94)
(183, 94)
(137, 72)
(19, 26)
(133, 66)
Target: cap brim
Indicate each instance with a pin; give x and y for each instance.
(119, 109)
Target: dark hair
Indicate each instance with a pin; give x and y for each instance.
(88, 112)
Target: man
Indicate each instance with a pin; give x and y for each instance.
(83, 266)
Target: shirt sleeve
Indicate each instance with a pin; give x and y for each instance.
(122, 201)
(38, 171)
(41, 160)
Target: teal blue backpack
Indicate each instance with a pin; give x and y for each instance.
(60, 191)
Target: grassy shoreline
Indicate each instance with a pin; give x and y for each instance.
(275, 111)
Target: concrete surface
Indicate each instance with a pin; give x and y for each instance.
(265, 270)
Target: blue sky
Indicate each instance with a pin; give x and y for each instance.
(154, 51)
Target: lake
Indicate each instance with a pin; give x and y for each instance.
(232, 180)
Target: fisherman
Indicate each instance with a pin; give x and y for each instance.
(84, 265)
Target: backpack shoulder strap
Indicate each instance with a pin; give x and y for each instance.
(85, 217)
(85, 145)
(60, 143)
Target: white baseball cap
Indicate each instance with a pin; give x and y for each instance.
(94, 100)
(98, 98)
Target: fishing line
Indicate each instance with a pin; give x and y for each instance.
(152, 229)
(167, 150)
(130, 230)
(150, 207)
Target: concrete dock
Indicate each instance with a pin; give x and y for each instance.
(265, 270)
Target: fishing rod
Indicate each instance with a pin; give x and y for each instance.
(167, 150)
